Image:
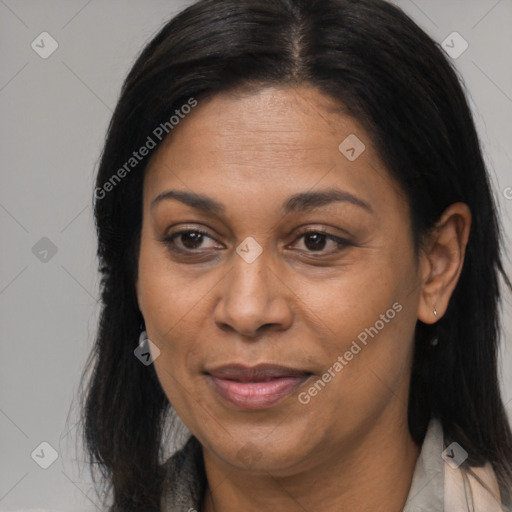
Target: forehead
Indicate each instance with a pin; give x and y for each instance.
(267, 140)
(263, 122)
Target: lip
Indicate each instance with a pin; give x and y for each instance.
(255, 387)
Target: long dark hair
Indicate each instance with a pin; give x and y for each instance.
(379, 65)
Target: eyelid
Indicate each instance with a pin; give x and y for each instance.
(327, 230)
(319, 228)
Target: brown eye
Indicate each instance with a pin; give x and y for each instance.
(315, 241)
(322, 242)
(189, 241)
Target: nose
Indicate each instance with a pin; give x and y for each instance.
(253, 300)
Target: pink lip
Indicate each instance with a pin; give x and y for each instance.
(255, 387)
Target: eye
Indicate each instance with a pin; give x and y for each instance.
(196, 240)
(188, 240)
(318, 240)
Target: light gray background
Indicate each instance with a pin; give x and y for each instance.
(53, 117)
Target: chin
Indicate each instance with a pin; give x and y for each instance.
(276, 456)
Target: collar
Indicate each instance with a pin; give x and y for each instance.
(427, 487)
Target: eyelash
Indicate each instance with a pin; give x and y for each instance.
(341, 243)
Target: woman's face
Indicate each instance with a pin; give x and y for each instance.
(278, 280)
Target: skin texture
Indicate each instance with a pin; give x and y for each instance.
(349, 447)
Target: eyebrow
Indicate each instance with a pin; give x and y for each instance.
(300, 202)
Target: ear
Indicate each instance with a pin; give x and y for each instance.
(442, 260)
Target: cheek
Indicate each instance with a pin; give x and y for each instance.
(371, 364)
(371, 315)
(169, 293)
(355, 299)
(168, 306)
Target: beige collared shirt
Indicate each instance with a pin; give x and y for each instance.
(438, 484)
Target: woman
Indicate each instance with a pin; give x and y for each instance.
(300, 257)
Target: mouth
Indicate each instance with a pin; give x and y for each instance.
(256, 387)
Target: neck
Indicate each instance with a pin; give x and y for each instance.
(372, 474)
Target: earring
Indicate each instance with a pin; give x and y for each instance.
(143, 334)
(435, 340)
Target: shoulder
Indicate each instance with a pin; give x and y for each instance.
(442, 482)
(476, 489)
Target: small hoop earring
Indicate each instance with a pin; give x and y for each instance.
(143, 336)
